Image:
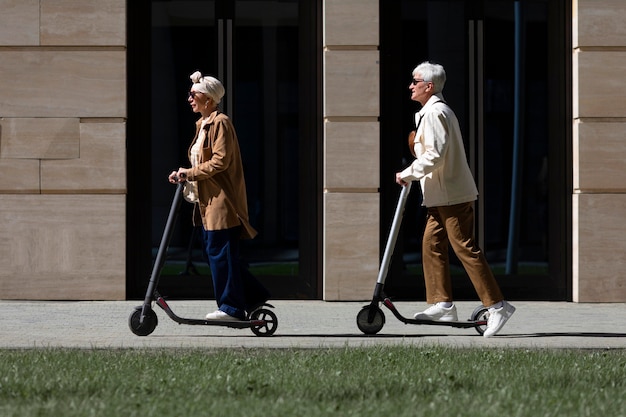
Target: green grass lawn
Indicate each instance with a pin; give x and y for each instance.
(377, 381)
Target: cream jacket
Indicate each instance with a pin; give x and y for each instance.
(440, 165)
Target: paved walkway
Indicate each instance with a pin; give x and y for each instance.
(304, 324)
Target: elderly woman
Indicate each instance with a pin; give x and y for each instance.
(216, 185)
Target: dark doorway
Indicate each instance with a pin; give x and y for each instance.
(257, 49)
(507, 65)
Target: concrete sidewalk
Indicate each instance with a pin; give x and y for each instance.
(304, 324)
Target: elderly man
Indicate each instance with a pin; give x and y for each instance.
(449, 192)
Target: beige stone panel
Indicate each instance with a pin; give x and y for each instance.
(599, 156)
(575, 90)
(599, 23)
(83, 22)
(351, 22)
(101, 167)
(46, 138)
(599, 83)
(19, 176)
(44, 83)
(352, 155)
(351, 259)
(351, 81)
(19, 22)
(63, 247)
(599, 247)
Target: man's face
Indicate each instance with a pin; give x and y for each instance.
(421, 89)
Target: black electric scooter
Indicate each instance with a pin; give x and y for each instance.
(143, 320)
(371, 319)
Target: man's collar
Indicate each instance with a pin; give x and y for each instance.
(435, 98)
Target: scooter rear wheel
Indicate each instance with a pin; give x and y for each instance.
(150, 322)
(481, 313)
(270, 319)
(363, 320)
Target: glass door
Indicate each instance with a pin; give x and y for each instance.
(504, 62)
(255, 47)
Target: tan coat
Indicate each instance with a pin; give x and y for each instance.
(221, 185)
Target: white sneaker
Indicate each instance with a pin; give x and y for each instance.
(438, 313)
(497, 318)
(220, 315)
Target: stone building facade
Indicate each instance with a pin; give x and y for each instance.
(63, 168)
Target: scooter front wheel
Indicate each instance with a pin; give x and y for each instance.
(270, 322)
(481, 313)
(146, 327)
(370, 320)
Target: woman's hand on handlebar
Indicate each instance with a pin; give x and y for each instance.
(178, 176)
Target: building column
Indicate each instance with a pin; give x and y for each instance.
(599, 160)
(351, 149)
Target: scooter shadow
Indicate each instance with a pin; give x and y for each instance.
(565, 334)
(407, 335)
(330, 336)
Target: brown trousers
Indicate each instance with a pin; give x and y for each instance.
(454, 225)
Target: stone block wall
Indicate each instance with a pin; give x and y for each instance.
(351, 149)
(599, 144)
(63, 161)
(63, 149)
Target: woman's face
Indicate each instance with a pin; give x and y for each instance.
(197, 101)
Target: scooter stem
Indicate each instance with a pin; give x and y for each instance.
(165, 242)
(393, 234)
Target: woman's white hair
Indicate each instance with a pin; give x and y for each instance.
(208, 85)
(433, 73)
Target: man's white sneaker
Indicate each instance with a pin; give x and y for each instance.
(438, 313)
(497, 318)
(220, 315)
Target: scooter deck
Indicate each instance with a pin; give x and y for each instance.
(235, 324)
(467, 324)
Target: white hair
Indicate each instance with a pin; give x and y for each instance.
(433, 73)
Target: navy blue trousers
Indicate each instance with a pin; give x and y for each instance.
(236, 289)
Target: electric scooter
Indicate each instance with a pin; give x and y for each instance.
(143, 320)
(371, 319)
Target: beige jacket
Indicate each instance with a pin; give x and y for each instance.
(222, 196)
(440, 165)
